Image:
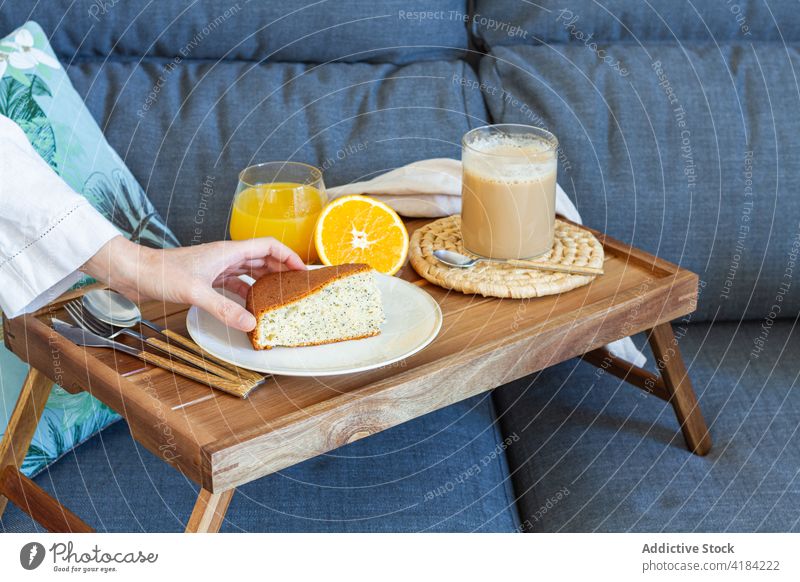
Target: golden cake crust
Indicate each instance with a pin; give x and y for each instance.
(276, 290)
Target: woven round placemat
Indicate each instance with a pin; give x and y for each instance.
(572, 246)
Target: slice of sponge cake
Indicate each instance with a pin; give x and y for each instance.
(318, 306)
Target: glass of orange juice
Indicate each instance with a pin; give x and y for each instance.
(282, 200)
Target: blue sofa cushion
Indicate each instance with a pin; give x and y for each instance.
(689, 152)
(509, 22)
(397, 31)
(419, 476)
(596, 454)
(187, 132)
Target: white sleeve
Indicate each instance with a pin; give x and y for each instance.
(47, 231)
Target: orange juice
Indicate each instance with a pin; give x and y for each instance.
(287, 211)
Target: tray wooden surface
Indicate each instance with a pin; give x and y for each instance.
(221, 441)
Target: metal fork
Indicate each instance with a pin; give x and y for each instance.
(87, 321)
(82, 337)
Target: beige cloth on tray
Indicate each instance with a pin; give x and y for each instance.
(432, 188)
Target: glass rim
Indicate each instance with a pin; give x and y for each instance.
(315, 173)
(532, 129)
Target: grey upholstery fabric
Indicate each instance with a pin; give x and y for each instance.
(508, 22)
(691, 155)
(291, 30)
(418, 476)
(186, 132)
(596, 454)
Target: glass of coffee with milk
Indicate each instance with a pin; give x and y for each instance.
(508, 191)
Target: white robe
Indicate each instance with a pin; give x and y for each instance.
(47, 231)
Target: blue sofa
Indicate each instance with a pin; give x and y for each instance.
(679, 134)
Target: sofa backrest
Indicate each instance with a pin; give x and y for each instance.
(396, 31)
(509, 22)
(190, 93)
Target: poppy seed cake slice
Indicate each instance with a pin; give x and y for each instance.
(318, 306)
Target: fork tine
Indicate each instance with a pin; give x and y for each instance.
(75, 310)
(102, 327)
(99, 327)
(70, 308)
(92, 325)
(75, 314)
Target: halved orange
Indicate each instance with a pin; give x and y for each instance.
(360, 229)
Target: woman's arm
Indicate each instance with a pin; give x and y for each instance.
(189, 274)
(48, 234)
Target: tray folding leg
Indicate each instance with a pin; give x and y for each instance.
(207, 516)
(672, 384)
(209, 511)
(16, 487)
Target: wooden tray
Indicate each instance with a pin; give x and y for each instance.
(221, 441)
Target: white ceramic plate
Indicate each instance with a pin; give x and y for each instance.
(413, 319)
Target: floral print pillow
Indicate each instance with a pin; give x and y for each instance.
(37, 95)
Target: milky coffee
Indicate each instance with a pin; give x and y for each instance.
(508, 191)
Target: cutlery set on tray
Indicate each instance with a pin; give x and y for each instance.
(100, 316)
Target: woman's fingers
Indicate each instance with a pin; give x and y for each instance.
(227, 311)
(254, 257)
(266, 248)
(254, 263)
(272, 265)
(236, 285)
(255, 271)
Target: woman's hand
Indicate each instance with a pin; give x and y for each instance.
(189, 274)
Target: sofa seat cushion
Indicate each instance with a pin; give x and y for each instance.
(689, 152)
(507, 22)
(445, 471)
(596, 454)
(186, 132)
(397, 31)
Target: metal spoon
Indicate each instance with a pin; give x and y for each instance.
(115, 309)
(112, 308)
(459, 261)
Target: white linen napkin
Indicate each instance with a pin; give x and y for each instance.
(432, 188)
